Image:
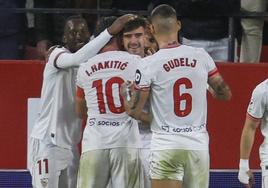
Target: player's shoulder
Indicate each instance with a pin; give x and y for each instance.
(195, 50)
(260, 91)
(54, 52)
(126, 54)
(122, 55)
(261, 88)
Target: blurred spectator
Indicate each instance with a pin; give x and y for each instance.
(12, 30)
(49, 27)
(92, 4)
(202, 28)
(251, 43)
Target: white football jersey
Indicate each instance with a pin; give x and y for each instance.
(108, 126)
(57, 122)
(57, 119)
(258, 106)
(177, 78)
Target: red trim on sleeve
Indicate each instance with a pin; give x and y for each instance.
(80, 92)
(253, 118)
(141, 88)
(213, 72)
(56, 58)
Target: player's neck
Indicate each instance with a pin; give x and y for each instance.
(109, 48)
(165, 41)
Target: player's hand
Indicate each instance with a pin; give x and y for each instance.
(119, 23)
(149, 51)
(129, 95)
(246, 178)
(125, 90)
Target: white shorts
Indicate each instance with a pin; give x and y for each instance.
(120, 166)
(52, 166)
(144, 156)
(189, 166)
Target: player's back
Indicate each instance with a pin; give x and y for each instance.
(178, 78)
(108, 125)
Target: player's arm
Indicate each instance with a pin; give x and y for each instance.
(136, 111)
(245, 176)
(134, 101)
(80, 105)
(218, 88)
(65, 60)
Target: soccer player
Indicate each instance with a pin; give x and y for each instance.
(111, 138)
(256, 117)
(176, 79)
(57, 130)
(136, 38)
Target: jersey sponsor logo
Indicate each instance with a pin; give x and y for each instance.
(91, 121)
(138, 77)
(165, 128)
(186, 129)
(108, 123)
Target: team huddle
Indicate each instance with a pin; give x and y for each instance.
(144, 98)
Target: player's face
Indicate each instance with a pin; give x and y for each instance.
(134, 41)
(76, 34)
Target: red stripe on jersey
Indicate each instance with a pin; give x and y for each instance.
(213, 72)
(171, 46)
(80, 92)
(56, 58)
(142, 88)
(253, 118)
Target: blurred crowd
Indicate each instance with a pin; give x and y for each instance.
(28, 36)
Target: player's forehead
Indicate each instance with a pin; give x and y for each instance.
(139, 30)
(76, 24)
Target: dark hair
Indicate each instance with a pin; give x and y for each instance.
(103, 23)
(163, 11)
(135, 24)
(73, 17)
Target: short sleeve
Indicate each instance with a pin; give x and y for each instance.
(143, 77)
(256, 107)
(54, 55)
(210, 64)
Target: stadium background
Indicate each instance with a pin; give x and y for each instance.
(21, 81)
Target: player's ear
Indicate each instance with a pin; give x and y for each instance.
(179, 25)
(152, 30)
(64, 39)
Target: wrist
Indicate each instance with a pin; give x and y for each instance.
(244, 164)
(108, 30)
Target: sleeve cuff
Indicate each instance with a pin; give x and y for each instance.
(106, 33)
(253, 118)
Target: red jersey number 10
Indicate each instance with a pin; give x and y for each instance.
(108, 93)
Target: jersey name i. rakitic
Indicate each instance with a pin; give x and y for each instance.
(107, 65)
